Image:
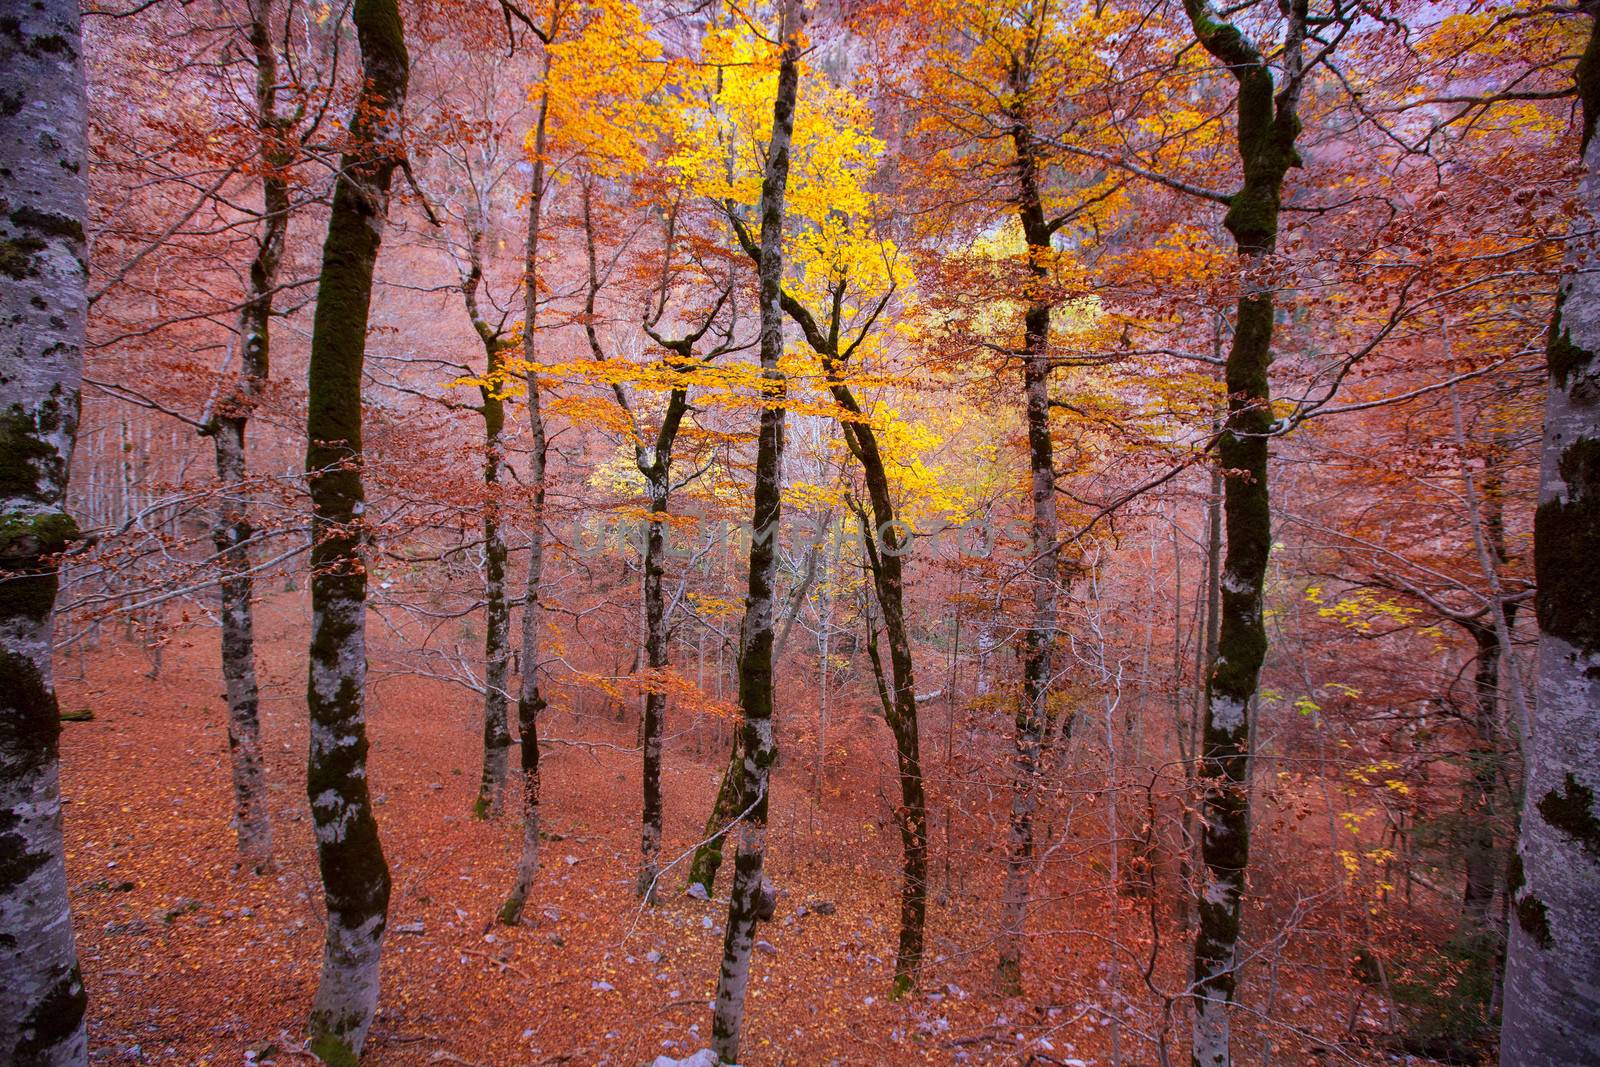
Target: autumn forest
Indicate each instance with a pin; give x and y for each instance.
(799, 532)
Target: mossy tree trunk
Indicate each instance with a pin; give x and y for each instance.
(355, 876)
(1552, 995)
(1267, 127)
(227, 430)
(1038, 641)
(756, 633)
(497, 610)
(707, 859)
(43, 305)
(658, 488)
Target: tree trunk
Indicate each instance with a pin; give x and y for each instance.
(885, 545)
(655, 697)
(355, 877)
(708, 856)
(43, 182)
(1032, 716)
(756, 635)
(901, 705)
(233, 530)
(497, 610)
(530, 704)
(1267, 129)
(1552, 998)
(1482, 864)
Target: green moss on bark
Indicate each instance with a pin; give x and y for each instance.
(16, 256)
(54, 1019)
(1567, 552)
(1571, 810)
(1563, 357)
(1534, 918)
(333, 1052)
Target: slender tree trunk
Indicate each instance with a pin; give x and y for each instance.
(756, 635)
(227, 429)
(497, 611)
(655, 697)
(900, 703)
(1482, 864)
(1552, 995)
(1032, 718)
(824, 670)
(530, 704)
(708, 856)
(497, 608)
(355, 876)
(912, 815)
(44, 167)
(1267, 128)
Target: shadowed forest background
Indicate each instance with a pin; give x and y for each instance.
(952, 531)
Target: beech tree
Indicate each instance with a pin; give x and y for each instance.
(745, 903)
(1552, 1004)
(530, 702)
(497, 606)
(998, 93)
(1266, 112)
(836, 337)
(355, 876)
(886, 541)
(227, 431)
(44, 170)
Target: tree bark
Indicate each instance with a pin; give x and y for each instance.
(497, 608)
(1266, 135)
(1552, 998)
(655, 697)
(530, 703)
(756, 633)
(901, 704)
(1268, 125)
(43, 183)
(708, 854)
(1482, 863)
(1032, 718)
(228, 429)
(497, 611)
(355, 876)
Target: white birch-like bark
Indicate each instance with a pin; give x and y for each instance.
(1552, 988)
(227, 429)
(530, 703)
(43, 307)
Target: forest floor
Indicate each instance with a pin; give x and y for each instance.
(189, 961)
